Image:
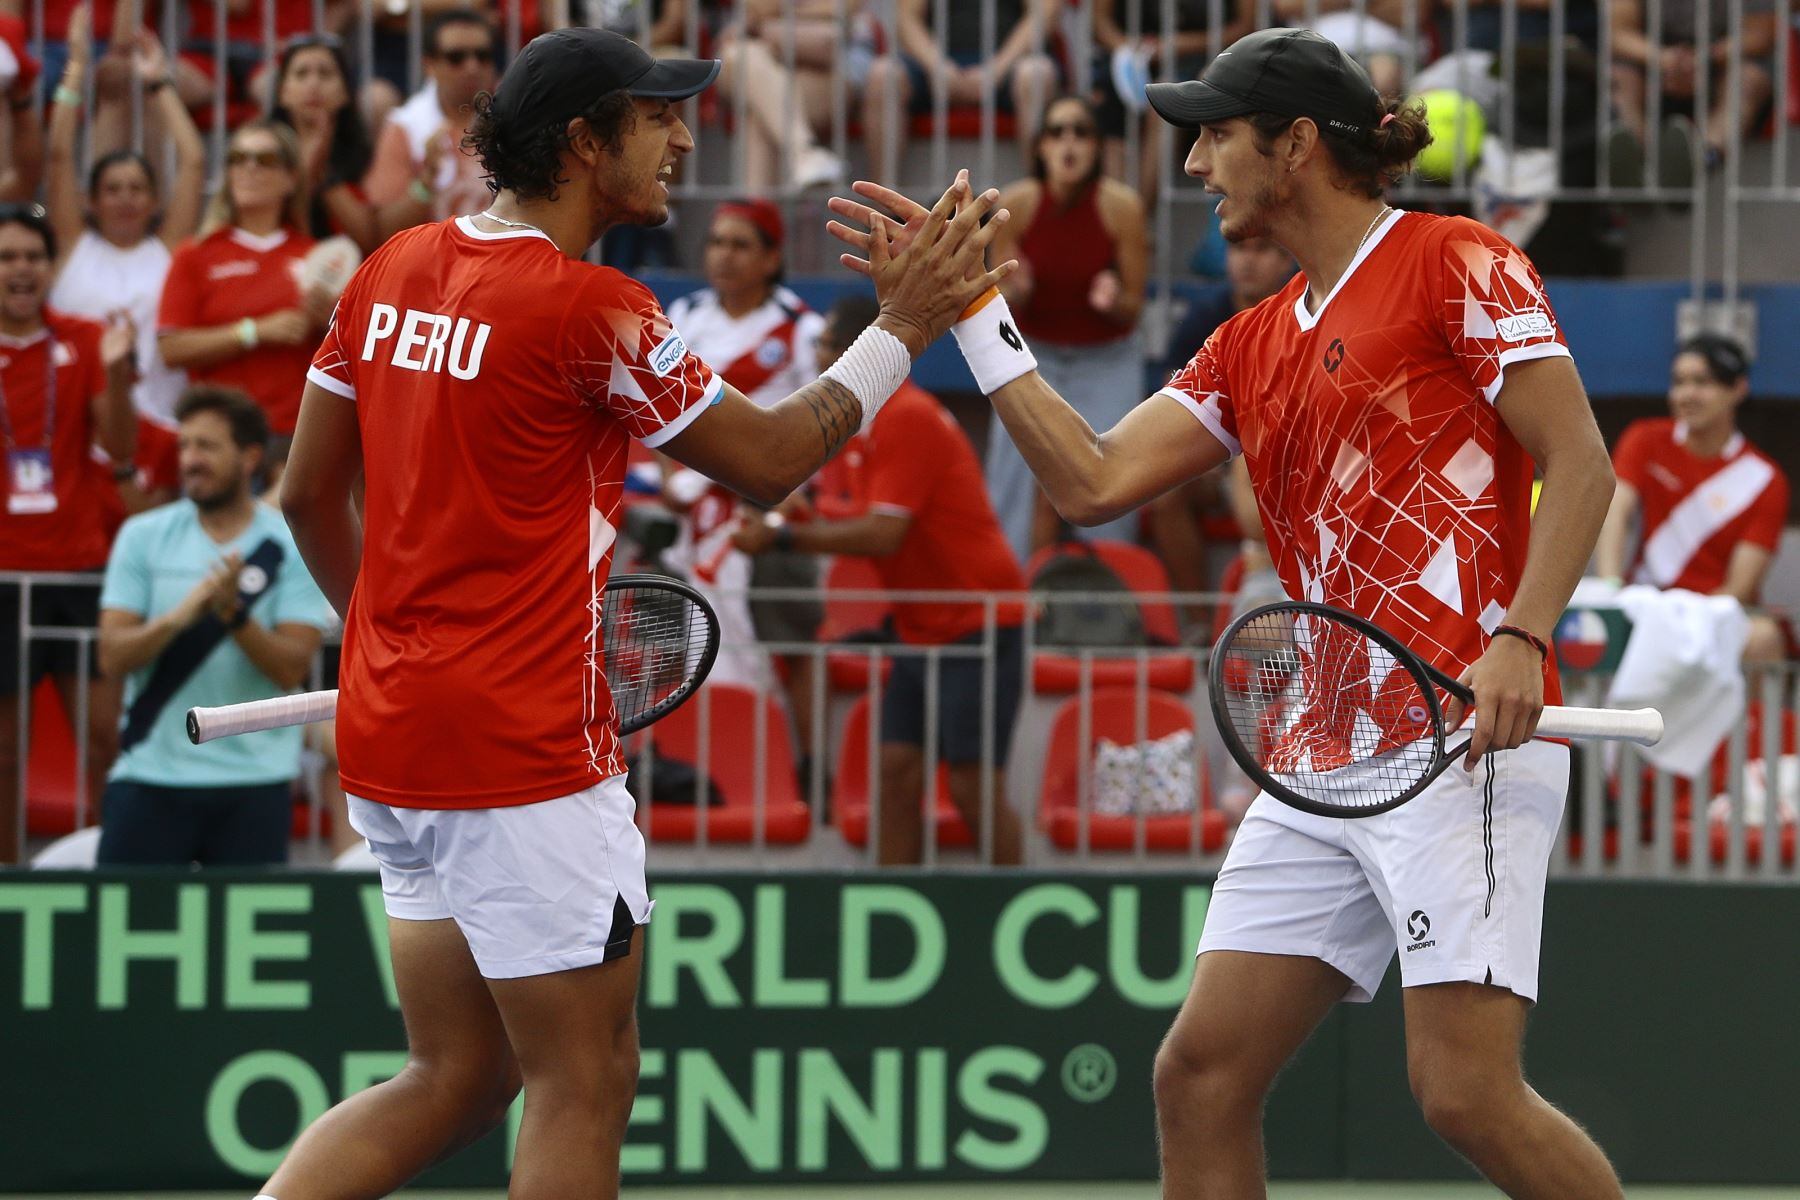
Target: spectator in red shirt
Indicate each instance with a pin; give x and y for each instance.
(65, 386)
(924, 519)
(312, 95)
(232, 310)
(1713, 505)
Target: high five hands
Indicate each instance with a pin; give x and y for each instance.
(927, 265)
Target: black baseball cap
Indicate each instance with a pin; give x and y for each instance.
(559, 74)
(1288, 72)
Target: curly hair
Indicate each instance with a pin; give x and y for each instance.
(529, 163)
(1368, 163)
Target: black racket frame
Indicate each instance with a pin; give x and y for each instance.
(645, 582)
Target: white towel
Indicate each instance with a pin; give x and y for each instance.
(1685, 658)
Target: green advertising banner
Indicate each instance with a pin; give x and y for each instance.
(818, 1028)
(178, 1030)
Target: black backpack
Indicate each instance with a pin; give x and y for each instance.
(1107, 619)
(673, 781)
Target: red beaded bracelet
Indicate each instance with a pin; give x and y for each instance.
(1530, 638)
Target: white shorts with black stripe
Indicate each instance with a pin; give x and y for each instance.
(535, 888)
(1452, 880)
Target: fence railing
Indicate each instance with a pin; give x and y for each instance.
(746, 800)
(1558, 82)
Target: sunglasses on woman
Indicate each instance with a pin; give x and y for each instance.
(1079, 129)
(269, 160)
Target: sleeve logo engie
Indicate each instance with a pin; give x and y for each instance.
(1526, 325)
(668, 354)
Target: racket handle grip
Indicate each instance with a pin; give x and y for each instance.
(1641, 725)
(205, 724)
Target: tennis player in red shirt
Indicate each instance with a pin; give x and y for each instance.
(1390, 403)
(483, 383)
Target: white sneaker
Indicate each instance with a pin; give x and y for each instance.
(818, 167)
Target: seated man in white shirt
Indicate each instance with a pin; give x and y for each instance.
(419, 155)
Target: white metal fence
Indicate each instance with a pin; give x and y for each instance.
(1734, 822)
(1547, 76)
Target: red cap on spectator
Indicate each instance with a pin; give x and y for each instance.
(761, 213)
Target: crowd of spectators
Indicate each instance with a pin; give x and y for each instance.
(154, 338)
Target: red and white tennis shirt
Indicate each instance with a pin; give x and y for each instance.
(1387, 483)
(1697, 510)
(498, 384)
(768, 354)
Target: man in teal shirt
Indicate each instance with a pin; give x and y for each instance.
(206, 602)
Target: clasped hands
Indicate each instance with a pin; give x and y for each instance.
(927, 265)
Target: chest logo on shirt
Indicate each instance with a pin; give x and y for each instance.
(427, 342)
(1334, 356)
(772, 353)
(62, 354)
(231, 270)
(1521, 326)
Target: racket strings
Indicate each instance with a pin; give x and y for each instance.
(654, 640)
(1328, 712)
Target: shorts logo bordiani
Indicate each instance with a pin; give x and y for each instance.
(1417, 926)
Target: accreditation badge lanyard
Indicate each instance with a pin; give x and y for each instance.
(31, 479)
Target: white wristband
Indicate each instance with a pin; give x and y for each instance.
(992, 346)
(873, 368)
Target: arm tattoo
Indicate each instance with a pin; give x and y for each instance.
(836, 409)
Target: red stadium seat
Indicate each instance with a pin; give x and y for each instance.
(1719, 775)
(850, 788)
(731, 765)
(1115, 718)
(1057, 674)
(848, 670)
(50, 782)
(1718, 835)
(301, 826)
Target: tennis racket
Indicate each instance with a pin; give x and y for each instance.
(1329, 713)
(661, 638)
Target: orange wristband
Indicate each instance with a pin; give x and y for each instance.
(978, 303)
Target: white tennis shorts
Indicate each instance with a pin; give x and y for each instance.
(1451, 881)
(535, 888)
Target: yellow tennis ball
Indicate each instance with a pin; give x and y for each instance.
(1457, 128)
